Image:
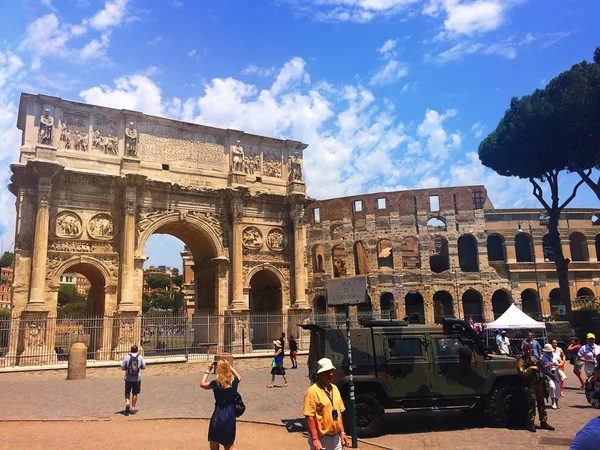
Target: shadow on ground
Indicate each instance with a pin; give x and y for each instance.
(295, 425)
(410, 422)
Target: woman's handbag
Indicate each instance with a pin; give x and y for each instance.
(274, 363)
(562, 374)
(240, 408)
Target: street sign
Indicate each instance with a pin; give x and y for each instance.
(562, 310)
(347, 291)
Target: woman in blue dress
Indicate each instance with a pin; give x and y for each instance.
(277, 364)
(221, 430)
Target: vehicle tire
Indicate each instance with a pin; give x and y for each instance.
(369, 415)
(506, 407)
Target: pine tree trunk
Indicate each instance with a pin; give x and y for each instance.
(562, 263)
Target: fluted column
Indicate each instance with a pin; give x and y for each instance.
(237, 261)
(40, 243)
(128, 249)
(299, 258)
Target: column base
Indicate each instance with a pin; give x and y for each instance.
(296, 187)
(130, 164)
(237, 178)
(296, 316)
(36, 339)
(238, 331)
(126, 333)
(46, 152)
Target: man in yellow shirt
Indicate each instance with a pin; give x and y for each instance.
(323, 408)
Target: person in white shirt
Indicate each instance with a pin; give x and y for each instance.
(588, 354)
(503, 343)
(551, 361)
(562, 358)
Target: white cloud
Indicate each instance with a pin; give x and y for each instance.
(95, 49)
(111, 16)
(156, 40)
(409, 87)
(528, 39)
(291, 73)
(465, 18)
(260, 71)
(390, 72)
(358, 11)
(48, 4)
(388, 47)
(479, 129)
(505, 49)
(553, 38)
(439, 143)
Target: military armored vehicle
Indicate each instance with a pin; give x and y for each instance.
(401, 365)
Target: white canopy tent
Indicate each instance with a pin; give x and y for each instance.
(514, 318)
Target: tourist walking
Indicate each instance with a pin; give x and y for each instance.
(536, 348)
(535, 389)
(277, 364)
(323, 408)
(293, 352)
(550, 360)
(133, 364)
(222, 427)
(573, 350)
(562, 359)
(592, 388)
(503, 343)
(588, 353)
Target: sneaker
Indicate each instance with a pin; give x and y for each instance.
(531, 427)
(127, 409)
(546, 426)
(554, 406)
(132, 411)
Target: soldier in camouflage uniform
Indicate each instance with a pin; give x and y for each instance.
(535, 389)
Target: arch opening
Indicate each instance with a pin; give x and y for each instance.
(547, 249)
(442, 305)
(439, 261)
(586, 293)
(598, 247)
(467, 253)
(361, 262)
(414, 305)
(579, 247)
(523, 248)
(266, 324)
(555, 300)
(472, 305)
(495, 248)
(500, 302)
(385, 254)
(409, 252)
(436, 224)
(365, 310)
(388, 309)
(318, 256)
(339, 261)
(530, 303)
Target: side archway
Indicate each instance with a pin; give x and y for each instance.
(388, 309)
(495, 248)
(468, 257)
(473, 305)
(414, 305)
(442, 305)
(579, 247)
(531, 303)
(523, 248)
(555, 300)
(501, 300)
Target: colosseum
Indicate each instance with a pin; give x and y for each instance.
(448, 252)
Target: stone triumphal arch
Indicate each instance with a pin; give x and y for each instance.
(93, 184)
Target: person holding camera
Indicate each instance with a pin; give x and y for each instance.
(222, 428)
(323, 408)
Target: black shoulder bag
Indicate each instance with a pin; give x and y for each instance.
(240, 408)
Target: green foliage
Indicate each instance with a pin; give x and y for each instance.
(7, 259)
(67, 293)
(158, 281)
(177, 280)
(178, 301)
(4, 313)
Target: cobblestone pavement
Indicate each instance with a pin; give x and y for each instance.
(172, 391)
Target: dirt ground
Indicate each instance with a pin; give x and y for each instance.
(147, 434)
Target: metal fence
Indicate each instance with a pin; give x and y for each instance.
(46, 340)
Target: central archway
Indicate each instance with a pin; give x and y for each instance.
(266, 322)
(413, 303)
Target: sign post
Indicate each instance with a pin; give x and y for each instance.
(348, 291)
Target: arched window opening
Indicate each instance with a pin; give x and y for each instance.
(320, 305)
(318, 257)
(530, 303)
(385, 254)
(467, 253)
(472, 305)
(586, 293)
(365, 310)
(579, 247)
(409, 251)
(439, 261)
(555, 300)
(442, 306)
(414, 305)
(388, 310)
(500, 302)
(495, 248)
(435, 225)
(547, 249)
(361, 262)
(339, 261)
(523, 248)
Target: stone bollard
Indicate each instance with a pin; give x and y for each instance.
(222, 356)
(77, 361)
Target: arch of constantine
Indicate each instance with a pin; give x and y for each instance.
(93, 184)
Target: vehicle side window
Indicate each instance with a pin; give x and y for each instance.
(447, 347)
(405, 347)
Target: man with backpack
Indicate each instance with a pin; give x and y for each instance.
(133, 364)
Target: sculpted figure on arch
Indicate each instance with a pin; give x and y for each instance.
(131, 136)
(238, 158)
(46, 125)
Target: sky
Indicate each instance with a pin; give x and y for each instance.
(389, 94)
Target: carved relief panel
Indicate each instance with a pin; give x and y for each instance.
(252, 238)
(102, 226)
(252, 161)
(272, 163)
(276, 239)
(74, 129)
(67, 224)
(104, 135)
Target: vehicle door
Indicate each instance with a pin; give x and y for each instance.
(408, 368)
(459, 371)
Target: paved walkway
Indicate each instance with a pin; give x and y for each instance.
(172, 391)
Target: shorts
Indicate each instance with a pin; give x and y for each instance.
(328, 442)
(293, 354)
(134, 387)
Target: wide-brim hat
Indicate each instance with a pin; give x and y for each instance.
(277, 343)
(325, 365)
(548, 348)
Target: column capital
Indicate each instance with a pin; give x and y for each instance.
(44, 192)
(297, 215)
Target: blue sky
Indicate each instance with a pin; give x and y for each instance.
(389, 94)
